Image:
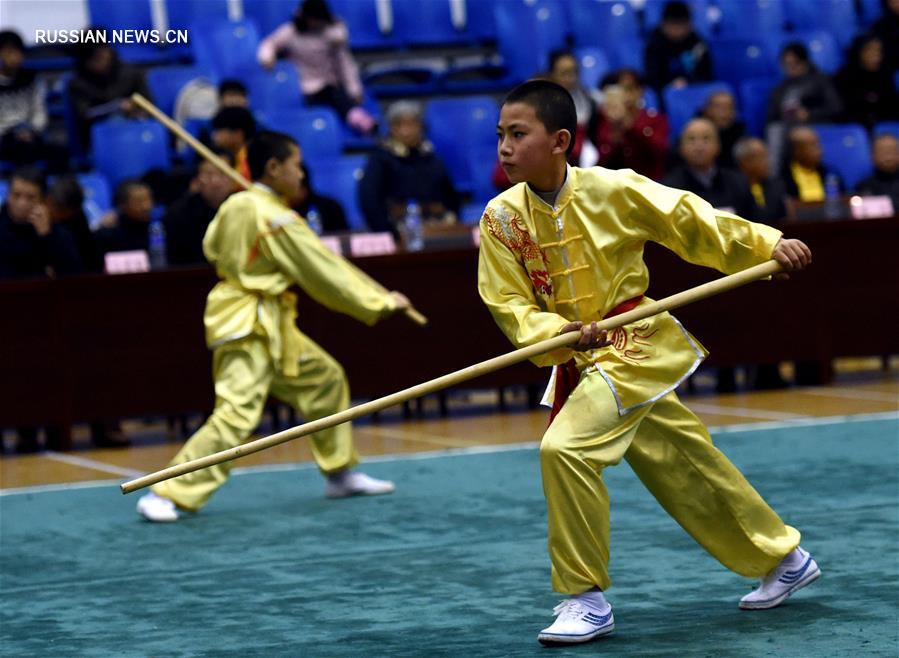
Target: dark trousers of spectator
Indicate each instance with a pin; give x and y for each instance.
(332, 97)
(21, 152)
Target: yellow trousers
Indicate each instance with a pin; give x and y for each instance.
(672, 453)
(245, 375)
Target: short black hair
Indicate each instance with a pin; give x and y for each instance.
(11, 38)
(230, 86)
(552, 104)
(30, 174)
(676, 11)
(66, 191)
(235, 118)
(124, 189)
(796, 48)
(265, 146)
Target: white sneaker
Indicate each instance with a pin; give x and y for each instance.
(353, 483)
(794, 572)
(156, 508)
(575, 623)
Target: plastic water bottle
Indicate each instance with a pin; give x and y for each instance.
(832, 206)
(414, 234)
(314, 219)
(156, 245)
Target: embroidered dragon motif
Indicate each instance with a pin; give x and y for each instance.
(512, 233)
(631, 346)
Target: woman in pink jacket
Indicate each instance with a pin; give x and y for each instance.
(316, 42)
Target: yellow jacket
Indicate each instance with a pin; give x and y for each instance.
(259, 248)
(542, 267)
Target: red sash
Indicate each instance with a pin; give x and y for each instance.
(567, 374)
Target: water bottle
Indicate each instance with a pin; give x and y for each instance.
(414, 234)
(314, 219)
(157, 245)
(832, 206)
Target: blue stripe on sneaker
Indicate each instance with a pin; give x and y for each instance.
(596, 619)
(790, 577)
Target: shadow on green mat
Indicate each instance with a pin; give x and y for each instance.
(453, 564)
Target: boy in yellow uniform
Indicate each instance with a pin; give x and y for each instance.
(260, 247)
(563, 249)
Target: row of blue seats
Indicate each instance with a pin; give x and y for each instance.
(462, 133)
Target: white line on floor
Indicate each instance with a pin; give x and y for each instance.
(473, 450)
(874, 396)
(92, 464)
(723, 410)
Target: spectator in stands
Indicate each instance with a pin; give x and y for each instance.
(102, 87)
(233, 93)
(721, 110)
(675, 54)
(128, 229)
(187, 219)
(769, 192)
(866, 85)
(31, 244)
(405, 168)
(627, 135)
(565, 71)
(65, 201)
(805, 95)
(887, 28)
(330, 212)
(722, 187)
(885, 180)
(805, 174)
(23, 114)
(317, 43)
(232, 130)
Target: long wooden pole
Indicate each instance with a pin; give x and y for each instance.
(238, 178)
(565, 340)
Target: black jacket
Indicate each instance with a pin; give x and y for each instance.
(881, 183)
(185, 225)
(24, 253)
(729, 189)
(666, 60)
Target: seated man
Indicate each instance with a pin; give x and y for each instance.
(699, 173)
(128, 228)
(721, 109)
(405, 168)
(322, 213)
(769, 192)
(805, 175)
(232, 129)
(885, 180)
(675, 54)
(187, 219)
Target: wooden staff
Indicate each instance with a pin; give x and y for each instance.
(238, 178)
(564, 340)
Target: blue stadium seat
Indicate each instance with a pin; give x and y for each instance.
(593, 65)
(736, 60)
(426, 23)
(683, 103)
(4, 190)
(278, 88)
(127, 149)
(837, 17)
(887, 128)
(598, 23)
(703, 15)
(650, 99)
(362, 18)
(269, 15)
(822, 48)
(317, 129)
(97, 196)
(846, 150)
(871, 11)
(480, 20)
(740, 18)
(458, 126)
(131, 15)
(528, 31)
(166, 83)
(339, 178)
(754, 95)
(626, 52)
(184, 14)
(225, 47)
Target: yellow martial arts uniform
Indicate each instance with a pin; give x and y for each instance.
(260, 247)
(542, 267)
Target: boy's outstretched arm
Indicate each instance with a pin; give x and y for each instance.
(793, 255)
